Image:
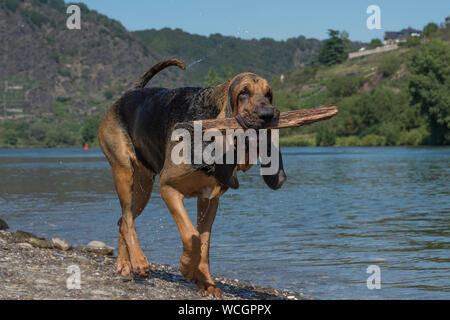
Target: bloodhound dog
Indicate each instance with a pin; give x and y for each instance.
(135, 136)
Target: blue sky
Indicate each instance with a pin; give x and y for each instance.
(280, 19)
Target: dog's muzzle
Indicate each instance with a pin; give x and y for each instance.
(268, 114)
(263, 117)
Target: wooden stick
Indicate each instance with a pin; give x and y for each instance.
(287, 119)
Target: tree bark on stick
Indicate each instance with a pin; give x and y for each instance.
(287, 119)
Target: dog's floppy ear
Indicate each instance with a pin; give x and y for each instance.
(276, 180)
(226, 173)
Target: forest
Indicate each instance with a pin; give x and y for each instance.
(396, 98)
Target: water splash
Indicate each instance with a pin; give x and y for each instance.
(210, 54)
(195, 62)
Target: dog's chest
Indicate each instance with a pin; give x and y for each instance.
(198, 184)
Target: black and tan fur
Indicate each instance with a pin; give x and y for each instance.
(135, 137)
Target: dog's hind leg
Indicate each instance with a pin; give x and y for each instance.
(206, 213)
(133, 184)
(134, 188)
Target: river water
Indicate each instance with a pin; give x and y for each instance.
(341, 211)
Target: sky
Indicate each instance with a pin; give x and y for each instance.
(277, 19)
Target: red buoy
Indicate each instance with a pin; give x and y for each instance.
(86, 147)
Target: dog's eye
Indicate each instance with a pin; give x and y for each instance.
(244, 94)
(269, 96)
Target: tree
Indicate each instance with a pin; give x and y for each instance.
(389, 66)
(10, 137)
(212, 78)
(38, 131)
(344, 86)
(227, 73)
(375, 43)
(430, 29)
(335, 49)
(90, 128)
(412, 42)
(345, 36)
(429, 87)
(325, 137)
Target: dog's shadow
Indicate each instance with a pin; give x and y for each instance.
(227, 289)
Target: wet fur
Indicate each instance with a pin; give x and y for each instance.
(135, 137)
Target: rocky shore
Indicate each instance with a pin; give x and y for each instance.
(36, 268)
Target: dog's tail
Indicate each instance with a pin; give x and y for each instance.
(146, 77)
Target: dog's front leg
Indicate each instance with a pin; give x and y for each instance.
(190, 258)
(206, 213)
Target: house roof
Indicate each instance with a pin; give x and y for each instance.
(404, 33)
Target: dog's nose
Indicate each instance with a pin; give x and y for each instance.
(266, 113)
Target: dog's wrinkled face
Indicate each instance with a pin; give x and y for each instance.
(250, 102)
(250, 97)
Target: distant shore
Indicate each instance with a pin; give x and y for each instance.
(283, 143)
(32, 268)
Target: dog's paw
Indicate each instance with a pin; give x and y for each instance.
(205, 284)
(142, 268)
(190, 259)
(140, 265)
(207, 289)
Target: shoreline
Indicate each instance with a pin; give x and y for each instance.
(35, 268)
(284, 145)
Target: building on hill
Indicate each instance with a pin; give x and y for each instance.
(447, 21)
(395, 37)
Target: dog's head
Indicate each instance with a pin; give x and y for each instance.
(250, 101)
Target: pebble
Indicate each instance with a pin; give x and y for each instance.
(22, 236)
(97, 244)
(5, 235)
(83, 260)
(43, 281)
(40, 243)
(99, 279)
(105, 251)
(99, 247)
(100, 292)
(61, 244)
(25, 245)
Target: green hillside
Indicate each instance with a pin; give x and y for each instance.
(265, 56)
(55, 81)
(375, 98)
(60, 82)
